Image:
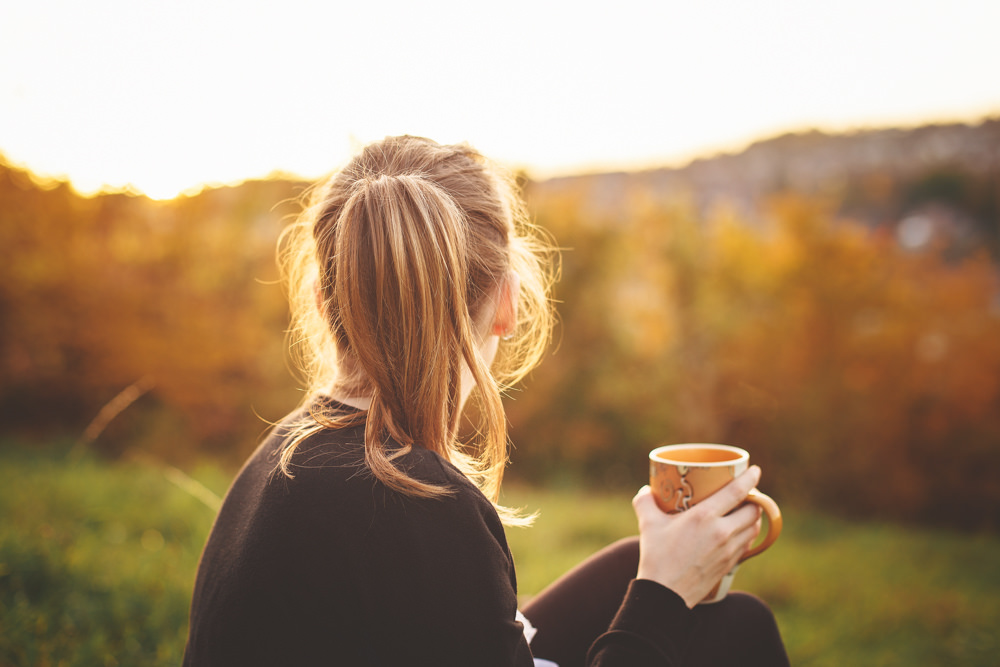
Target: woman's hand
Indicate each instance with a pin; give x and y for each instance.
(691, 551)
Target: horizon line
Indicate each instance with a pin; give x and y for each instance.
(537, 174)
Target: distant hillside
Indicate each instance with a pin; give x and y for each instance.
(949, 175)
(935, 181)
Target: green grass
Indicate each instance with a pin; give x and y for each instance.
(844, 593)
(97, 563)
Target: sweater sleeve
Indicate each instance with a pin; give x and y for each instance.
(651, 628)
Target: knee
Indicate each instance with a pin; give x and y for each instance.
(750, 610)
(629, 545)
(741, 630)
(624, 552)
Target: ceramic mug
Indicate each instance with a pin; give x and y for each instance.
(681, 476)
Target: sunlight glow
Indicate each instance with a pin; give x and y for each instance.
(173, 95)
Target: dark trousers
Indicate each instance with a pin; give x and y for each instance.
(572, 612)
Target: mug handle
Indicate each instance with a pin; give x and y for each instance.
(773, 522)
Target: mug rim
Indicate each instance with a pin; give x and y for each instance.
(655, 455)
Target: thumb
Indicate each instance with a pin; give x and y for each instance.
(644, 503)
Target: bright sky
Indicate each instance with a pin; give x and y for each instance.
(168, 95)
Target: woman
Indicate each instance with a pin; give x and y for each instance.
(361, 532)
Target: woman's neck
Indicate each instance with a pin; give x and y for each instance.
(359, 402)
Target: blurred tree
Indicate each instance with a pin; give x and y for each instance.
(99, 292)
(863, 376)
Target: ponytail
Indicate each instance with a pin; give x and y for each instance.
(405, 248)
(404, 314)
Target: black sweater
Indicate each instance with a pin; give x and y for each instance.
(332, 568)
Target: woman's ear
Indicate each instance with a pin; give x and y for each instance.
(505, 320)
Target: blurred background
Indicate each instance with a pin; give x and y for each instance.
(780, 229)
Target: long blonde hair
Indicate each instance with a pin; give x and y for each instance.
(388, 268)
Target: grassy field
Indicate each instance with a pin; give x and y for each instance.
(97, 563)
(844, 593)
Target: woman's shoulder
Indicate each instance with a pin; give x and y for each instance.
(330, 462)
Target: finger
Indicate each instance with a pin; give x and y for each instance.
(748, 504)
(732, 494)
(744, 539)
(757, 527)
(644, 491)
(744, 528)
(741, 518)
(643, 503)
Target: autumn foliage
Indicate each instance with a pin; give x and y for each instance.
(863, 377)
(99, 293)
